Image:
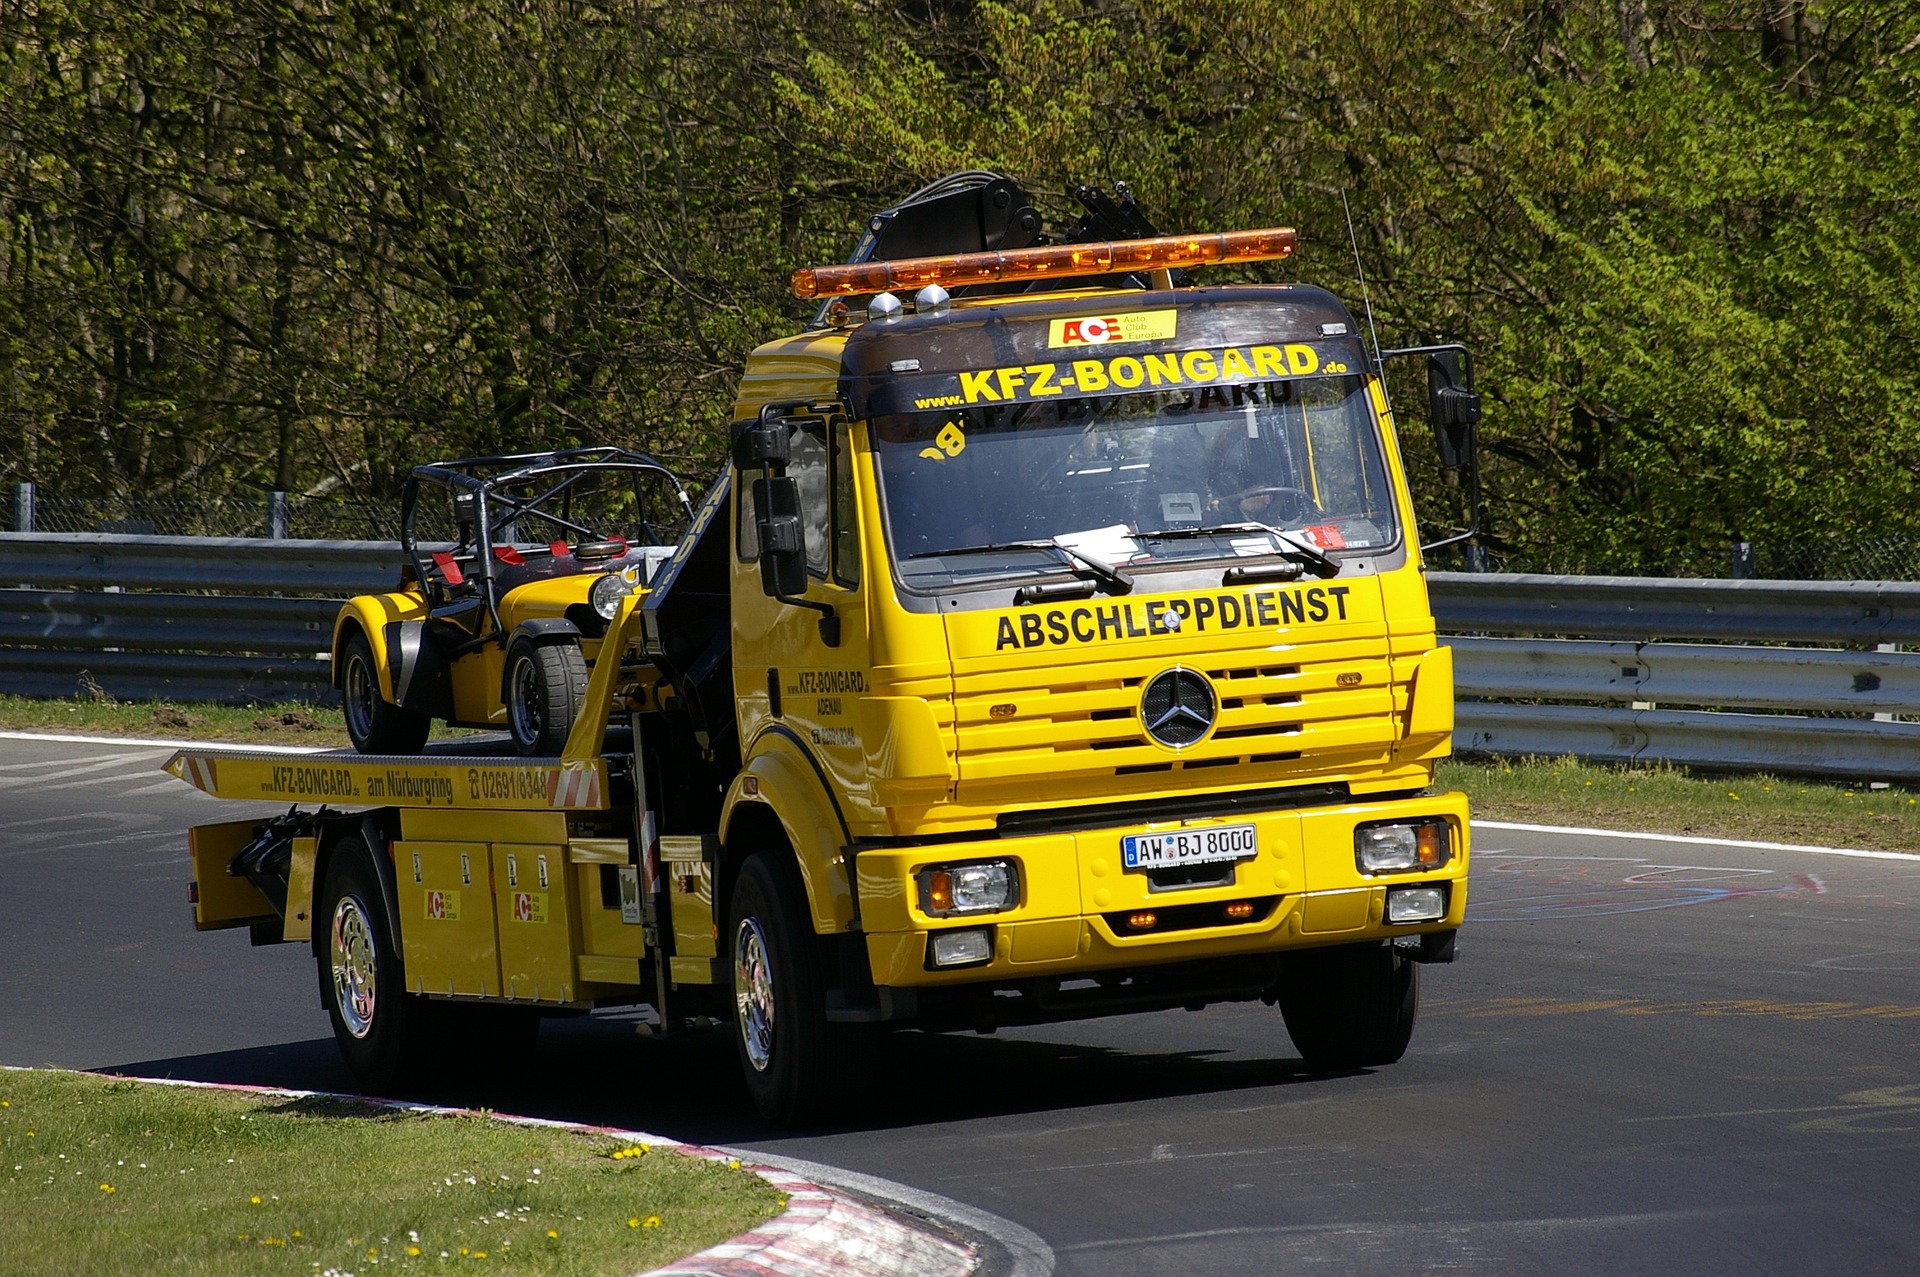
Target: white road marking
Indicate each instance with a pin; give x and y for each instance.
(1691, 840)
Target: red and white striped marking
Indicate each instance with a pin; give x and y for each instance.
(575, 785)
(202, 773)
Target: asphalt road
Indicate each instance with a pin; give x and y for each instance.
(1651, 1057)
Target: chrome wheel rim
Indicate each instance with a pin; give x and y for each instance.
(354, 964)
(525, 707)
(753, 994)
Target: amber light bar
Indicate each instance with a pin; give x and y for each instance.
(1022, 265)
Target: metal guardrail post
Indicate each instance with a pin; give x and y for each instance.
(279, 517)
(23, 507)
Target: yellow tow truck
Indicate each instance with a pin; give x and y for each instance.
(1056, 644)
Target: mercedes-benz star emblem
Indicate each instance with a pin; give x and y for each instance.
(1178, 707)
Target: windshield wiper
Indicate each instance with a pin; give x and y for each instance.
(1117, 582)
(1296, 546)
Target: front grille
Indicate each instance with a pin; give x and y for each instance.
(1068, 722)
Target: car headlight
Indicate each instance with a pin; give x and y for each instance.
(984, 886)
(607, 593)
(1402, 847)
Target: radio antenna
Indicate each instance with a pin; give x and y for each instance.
(1366, 298)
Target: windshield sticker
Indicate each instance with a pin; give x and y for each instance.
(1022, 383)
(1246, 609)
(950, 442)
(1105, 330)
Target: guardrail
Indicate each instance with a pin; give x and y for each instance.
(1620, 666)
(110, 612)
(1590, 666)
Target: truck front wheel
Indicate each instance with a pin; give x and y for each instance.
(383, 1031)
(797, 1065)
(1351, 1006)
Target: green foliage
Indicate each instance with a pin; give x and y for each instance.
(260, 242)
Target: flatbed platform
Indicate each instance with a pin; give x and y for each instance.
(484, 775)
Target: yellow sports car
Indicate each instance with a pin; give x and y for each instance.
(499, 624)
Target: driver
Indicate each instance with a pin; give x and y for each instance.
(1249, 478)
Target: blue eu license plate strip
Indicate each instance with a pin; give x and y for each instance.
(1177, 847)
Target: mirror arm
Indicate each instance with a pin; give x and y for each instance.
(1473, 496)
(829, 618)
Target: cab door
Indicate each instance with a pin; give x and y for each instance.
(800, 663)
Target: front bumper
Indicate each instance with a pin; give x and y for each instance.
(1076, 899)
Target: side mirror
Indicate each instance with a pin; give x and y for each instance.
(766, 443)
(1453, 405)
(783, 545)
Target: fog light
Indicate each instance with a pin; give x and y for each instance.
(1402, 847)
(962, 948)
(985, 886)
(1416, 904)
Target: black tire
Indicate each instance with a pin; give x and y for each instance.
(546, 685)
(387, 1035)
(375, 724)
(798, 1067)
(1350, 1007)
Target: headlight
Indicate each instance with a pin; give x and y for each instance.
(985, 886)
(1402, 847)
(607, 593)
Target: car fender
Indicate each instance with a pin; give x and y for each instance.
(782, 778)
(375, 615)
(546, 629)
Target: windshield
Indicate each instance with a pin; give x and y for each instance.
(1133, 480)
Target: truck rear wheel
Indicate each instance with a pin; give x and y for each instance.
(375, 724)
(798, 1067)
(546, 684)
(384, 1032)
(1350, 1007)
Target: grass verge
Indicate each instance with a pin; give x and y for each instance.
(1666, 799)
(320, 726)
(106, 1176)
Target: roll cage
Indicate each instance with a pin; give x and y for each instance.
(498, 495)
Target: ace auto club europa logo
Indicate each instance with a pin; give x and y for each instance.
(1107, 330)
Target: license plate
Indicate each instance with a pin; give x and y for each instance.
(1179, 847)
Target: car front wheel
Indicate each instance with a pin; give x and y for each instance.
(546, 685)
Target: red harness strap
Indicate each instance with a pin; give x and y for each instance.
(448, 568)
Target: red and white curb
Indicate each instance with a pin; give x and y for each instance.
(822, 1233)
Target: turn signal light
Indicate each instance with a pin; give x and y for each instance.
(1240, 909)
(1059, 261)
(1142, 921)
